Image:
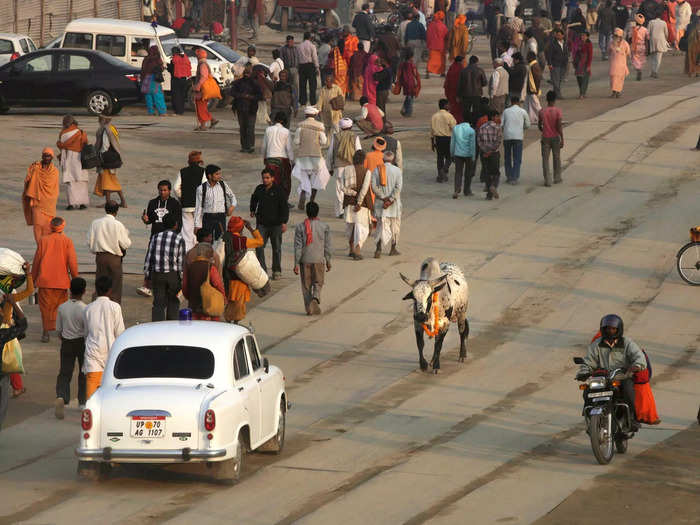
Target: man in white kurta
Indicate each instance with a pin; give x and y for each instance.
(70, 142)
(387, 205)
(310, 168)
(358, 201)
(343, 146)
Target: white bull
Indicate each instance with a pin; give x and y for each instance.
(440, 297)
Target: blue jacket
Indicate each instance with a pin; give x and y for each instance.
(463, 142)
(415, 31)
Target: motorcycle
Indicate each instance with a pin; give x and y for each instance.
(609, 420)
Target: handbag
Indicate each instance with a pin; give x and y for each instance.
(212, 299)
(12, 357)
(396, 88)
(110, 159)
(338, 103)
(158, 76)
(88, 157)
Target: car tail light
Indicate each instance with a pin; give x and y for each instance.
(14, 56)
(86, 419)
(209, 420)
(133, 78)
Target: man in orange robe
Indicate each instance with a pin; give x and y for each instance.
(436, 40)
(40, 194)
(55, 264)
(340, 70)
(459, 38)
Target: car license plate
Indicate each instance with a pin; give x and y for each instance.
(148, 427)
(600, 394)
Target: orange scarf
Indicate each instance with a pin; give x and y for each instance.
(436, 318)
(375, 159)
(309, 232)
(75, 142)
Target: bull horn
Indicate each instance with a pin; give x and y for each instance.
(407, 280)
(438, 281)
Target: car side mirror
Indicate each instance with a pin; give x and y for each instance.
(578, 360)
(266, 365)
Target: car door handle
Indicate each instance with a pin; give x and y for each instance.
(259, 379)
(240, 389)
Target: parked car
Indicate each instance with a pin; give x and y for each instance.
(69, 77)
(13, 46)
(177, 392)
(219, 57)
(125, 40)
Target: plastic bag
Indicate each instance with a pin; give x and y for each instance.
(12, 357)
(11, 272)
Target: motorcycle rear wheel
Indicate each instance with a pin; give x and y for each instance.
(602, 446)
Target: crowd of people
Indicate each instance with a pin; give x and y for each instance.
(197, 241)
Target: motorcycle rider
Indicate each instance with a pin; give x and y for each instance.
(612, 350)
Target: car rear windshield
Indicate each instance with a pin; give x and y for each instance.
(188, 362)
(225, 51)
(6, 47)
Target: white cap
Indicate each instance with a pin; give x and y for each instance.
(310, 110)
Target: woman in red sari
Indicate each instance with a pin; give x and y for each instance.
(451, 81)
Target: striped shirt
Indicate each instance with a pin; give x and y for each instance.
(214, 201)
(166, 252)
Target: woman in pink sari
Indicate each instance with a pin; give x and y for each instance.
(619, 50)
(369, 88)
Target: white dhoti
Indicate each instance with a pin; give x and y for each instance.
(339, 174)
(75, 178)
(188, 229)
(312, 174)
(357, 225)
(388, 230)
(533, 107)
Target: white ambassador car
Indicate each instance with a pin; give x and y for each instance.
(176, 392)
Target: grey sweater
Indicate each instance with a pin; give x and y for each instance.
(319, 251)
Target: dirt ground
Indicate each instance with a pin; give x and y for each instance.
(660, 485)
(538, 261)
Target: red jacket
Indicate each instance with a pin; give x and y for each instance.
(181, 66)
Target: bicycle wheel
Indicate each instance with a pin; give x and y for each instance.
(688, 263)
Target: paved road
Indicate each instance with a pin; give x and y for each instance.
(371, 439)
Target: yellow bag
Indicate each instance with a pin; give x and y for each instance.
(210, 89)
(12, 357)
(212, 299)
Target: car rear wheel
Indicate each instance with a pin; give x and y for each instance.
(229, 470)
(99, 103)
(93, 470)
(276, 443)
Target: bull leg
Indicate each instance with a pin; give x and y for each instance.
(421, 344)
(435, 361)
(463, 334)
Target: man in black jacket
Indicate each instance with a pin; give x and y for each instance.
(364, 28)
(516, 76)
(268, 205)
(188, 180)
(470, 86)
(6, 335)
(557, 55)
(246, 95)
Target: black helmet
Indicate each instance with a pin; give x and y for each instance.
(612, 321)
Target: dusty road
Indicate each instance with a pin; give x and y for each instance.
(371, 439)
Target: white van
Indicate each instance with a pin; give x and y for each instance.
(126, 40)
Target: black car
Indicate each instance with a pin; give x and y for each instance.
(69, 77)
